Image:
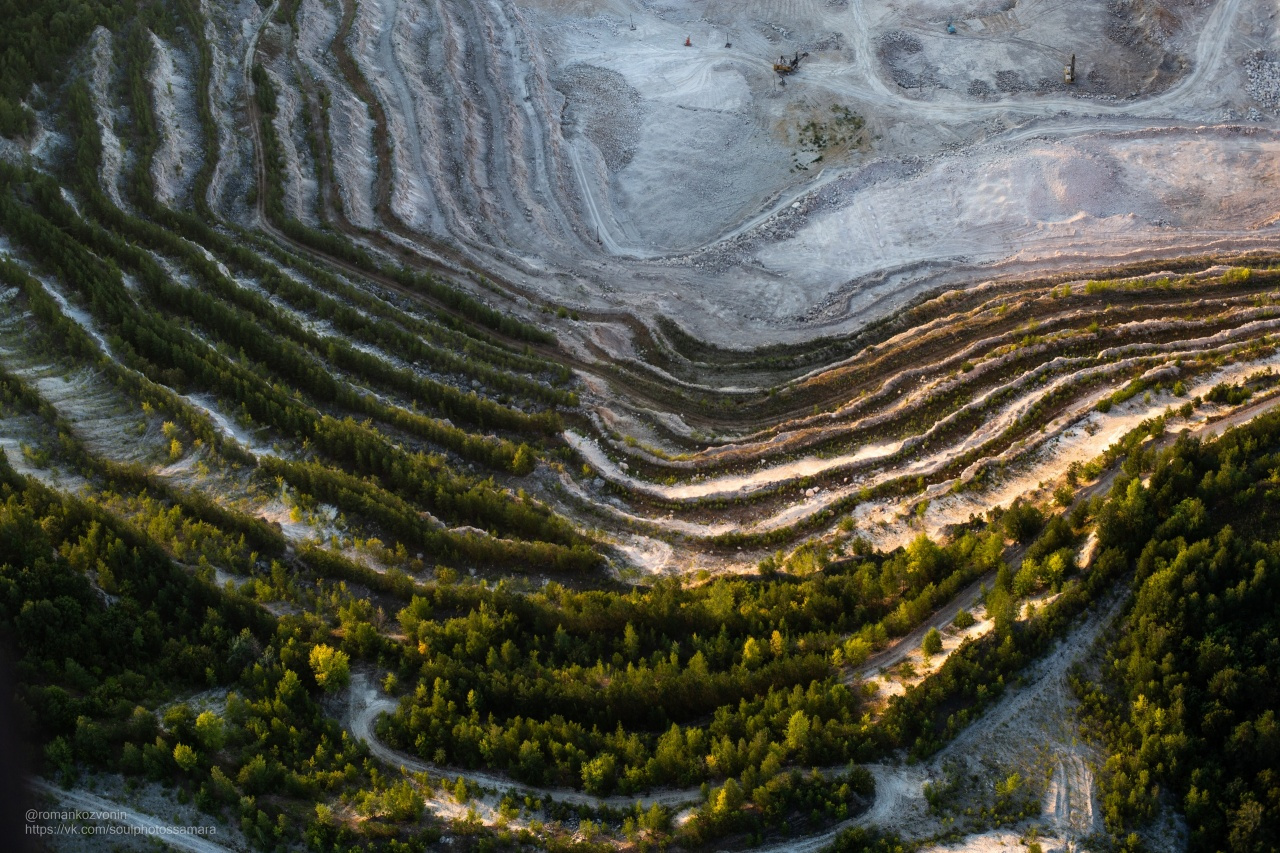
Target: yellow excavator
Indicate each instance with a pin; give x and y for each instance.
(782, 66)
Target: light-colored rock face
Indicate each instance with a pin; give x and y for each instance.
(178, 156)
(583, 150)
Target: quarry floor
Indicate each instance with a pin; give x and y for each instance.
(582, 149)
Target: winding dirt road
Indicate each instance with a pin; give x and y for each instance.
(145, 824)
(894, 786)
(364, 706)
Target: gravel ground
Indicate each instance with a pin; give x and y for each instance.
(604, 165)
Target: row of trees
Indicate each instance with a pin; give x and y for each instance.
(613, 690)
(234, 314)
(151, 341)
(386, 510)
(338, 246)
(445, 344)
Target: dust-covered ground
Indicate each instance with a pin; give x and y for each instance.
(1025, 755)
(584, 150)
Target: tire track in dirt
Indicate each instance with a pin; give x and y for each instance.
(149, 827)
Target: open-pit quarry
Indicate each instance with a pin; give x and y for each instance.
(590, 157)
(384, 314)
(924, 182)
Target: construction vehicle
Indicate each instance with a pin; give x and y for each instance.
(782, 66)
(1069, 71)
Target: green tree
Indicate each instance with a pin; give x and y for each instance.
(523, 460)
(727, 800)
(599, 774)
(402, 802)
(332, 668)
(209, 731)
(1022, 521)
(752, 656)
(932, 643)
(797, 731)
(630, 642)
(184, 756)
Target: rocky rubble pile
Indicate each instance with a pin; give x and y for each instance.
(1263, 73)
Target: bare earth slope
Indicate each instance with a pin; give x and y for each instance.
(587, 153)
